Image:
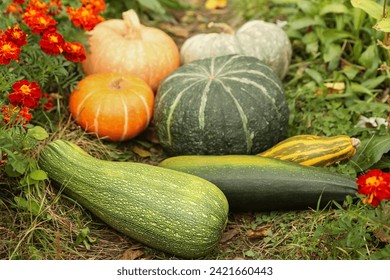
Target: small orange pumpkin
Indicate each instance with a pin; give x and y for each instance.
(127, 46)
(112, 105)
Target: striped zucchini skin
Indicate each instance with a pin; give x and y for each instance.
(174, 212)
(253, 183)
(314, 150)
(230, 104)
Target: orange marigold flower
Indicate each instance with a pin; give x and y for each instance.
(83, 17)
(13, 115)
(15, 35)
(38, 5)
(96, 6)
(14, 9)
(8, 51)
(25, 94)
(74, 52)
(375, 185)
(38, 21)
(52, 42)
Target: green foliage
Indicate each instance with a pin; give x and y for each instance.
(371, 151)
(355, 232)
(152, 9)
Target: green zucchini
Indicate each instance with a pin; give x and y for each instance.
(258, 183)
(175, 212)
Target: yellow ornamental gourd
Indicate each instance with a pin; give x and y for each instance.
(314, 150)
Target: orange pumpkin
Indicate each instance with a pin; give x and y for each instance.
(112, 105)
(127, 46)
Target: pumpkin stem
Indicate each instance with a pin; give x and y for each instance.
(225, 28)
(133, 25)
(117, 84)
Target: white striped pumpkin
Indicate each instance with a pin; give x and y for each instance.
(230, 104)
(113, 106)
(264, 40)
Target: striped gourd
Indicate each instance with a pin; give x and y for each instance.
(165, 209)
(230, 104)
(314, 150)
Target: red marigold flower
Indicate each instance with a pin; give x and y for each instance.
(83, 17)
(8, 51)
(14, 9)
(25, 94)
(52, 42)
(74, 52)
(96, 6)
(15, 35)
(47, 101)
(19, 1)
(375, 184)
(15, 114)
(38, 21)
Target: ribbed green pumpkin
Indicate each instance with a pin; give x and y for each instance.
(230, 104)
(165, 209)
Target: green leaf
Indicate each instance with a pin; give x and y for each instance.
(19, 163)
(371, 7)
(38, 133)
(331, 35)
(38, 175)
(332, 52)
(315, 75)
(369, 56)
(27, 205)
(371, 151)
(383, 25)
(334, 8)
(302, 23)
(384, 163)
(153, 5)
(360, 89)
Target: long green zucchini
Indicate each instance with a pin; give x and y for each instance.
(168, 210)
(261, 184)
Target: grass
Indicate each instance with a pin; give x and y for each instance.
(37, 221)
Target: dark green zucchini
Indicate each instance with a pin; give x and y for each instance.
(261, 184)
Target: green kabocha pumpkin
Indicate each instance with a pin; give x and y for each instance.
(264, 40)
(231, 104)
